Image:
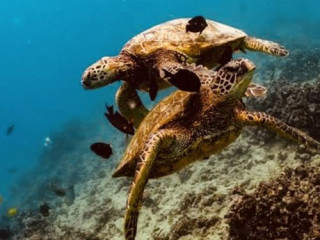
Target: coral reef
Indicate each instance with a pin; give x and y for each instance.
(296, 104)
(286, 208)
(293, 87)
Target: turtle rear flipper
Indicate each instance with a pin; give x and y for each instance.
(256, 90)
(273, 48)
(130, 105)
(155, 142)
(276, 125)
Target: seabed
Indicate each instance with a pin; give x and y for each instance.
(202, 200)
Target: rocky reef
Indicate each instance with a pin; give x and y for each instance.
(285, 208)
(293, 91)
(296, 104)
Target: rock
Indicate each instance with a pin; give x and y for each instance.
(282, 156)
(304, 156)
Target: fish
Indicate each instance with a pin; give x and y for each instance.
(196, 25)
(102, 149)
(1, 199)
(59, 191)
(119, 121)
(10, 129)
(4, 233)
(12, 170)
(47, 142)
(153, 90)
(12, 212)
(44, 210)
(70, 195)
(184, 80)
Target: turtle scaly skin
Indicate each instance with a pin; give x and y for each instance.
(186, 127)
(143, 59)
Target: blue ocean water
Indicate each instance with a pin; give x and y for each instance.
(46, 45)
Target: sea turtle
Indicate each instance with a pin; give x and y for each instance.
(166, 47)
(185, 127)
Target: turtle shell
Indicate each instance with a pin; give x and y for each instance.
(172, 35)
(172, 107)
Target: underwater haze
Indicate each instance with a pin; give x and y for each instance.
(46, 46)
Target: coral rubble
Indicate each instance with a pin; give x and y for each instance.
(285, 208)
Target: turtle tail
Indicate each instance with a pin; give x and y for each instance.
(273, 48)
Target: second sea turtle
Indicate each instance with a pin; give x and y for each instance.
(185, 127)
(144, 59)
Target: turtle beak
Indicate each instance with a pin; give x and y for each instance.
(248, 66)
(245, 75)
(85, 80)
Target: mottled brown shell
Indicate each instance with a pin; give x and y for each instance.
(172, 107)
(172, 35)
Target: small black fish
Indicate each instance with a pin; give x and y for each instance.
(10, 129)
(44, 210)
(102, 149)
(59, 191)
(196, 24)
(119, 121)
(12, 170)
(4, 234)
(184, 80)
(70, 195)
(153, 90)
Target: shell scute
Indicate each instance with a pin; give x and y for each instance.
(172, 35)
(166, 111)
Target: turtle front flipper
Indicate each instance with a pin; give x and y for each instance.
(256, 90)
(146, 158)
(130, 105)
(256, 44)
(276, 125)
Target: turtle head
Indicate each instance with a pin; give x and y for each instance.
(233, 78)
(103, 72)
(99, 74)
